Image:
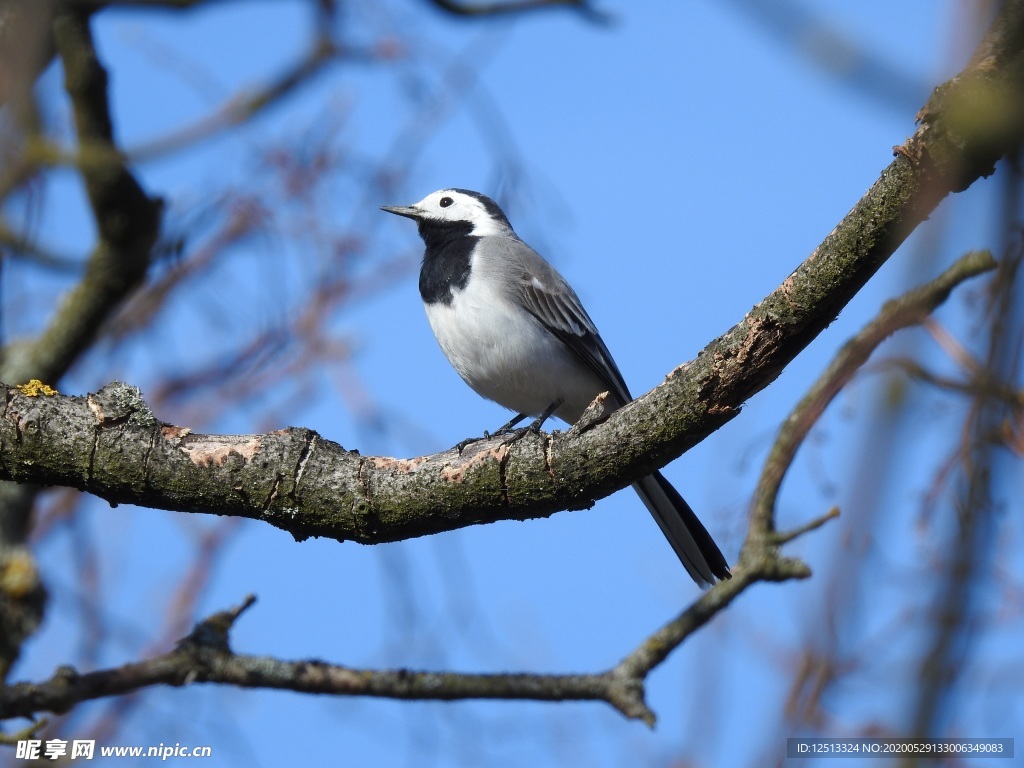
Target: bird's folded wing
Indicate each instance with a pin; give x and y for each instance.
(559, 310)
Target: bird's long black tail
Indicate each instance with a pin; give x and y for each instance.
(696, 549)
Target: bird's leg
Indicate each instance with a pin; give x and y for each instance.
(506, 428)
(516, 434)
(536, 425)
(502, 430)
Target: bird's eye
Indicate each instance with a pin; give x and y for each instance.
(445, 202)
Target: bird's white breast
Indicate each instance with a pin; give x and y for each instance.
(505, 354)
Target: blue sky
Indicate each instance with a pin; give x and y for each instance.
(675, 164)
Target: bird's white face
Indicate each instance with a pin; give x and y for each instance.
(452, 205)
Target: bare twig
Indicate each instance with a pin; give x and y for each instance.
(247, 105)
(955, 611)
(909, 309)
(205, 657)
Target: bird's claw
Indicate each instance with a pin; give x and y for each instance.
(459, 446)
(519, 434)
(513, 435)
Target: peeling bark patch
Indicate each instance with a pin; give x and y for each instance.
(679, 370)
(273, 493)
(762, 334)
(598, 411)
(750, 341)
(787, 286)
(215, 453)
(549, 457)
(303, 460)
(458, 473)
(171, 432)
(722, 409)
(96, 408)
(405, 466)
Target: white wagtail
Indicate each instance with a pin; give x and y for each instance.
(518, 335)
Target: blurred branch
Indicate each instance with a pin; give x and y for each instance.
(803, 29)
(956, 610)
(205, 657)
(818, 669)
(25, 51)
(15, 246)
(127, 222)
(29, 731)
(460, 9)
(914, 370)
(910, 309)
(127, 219)
(514, 6)
(242, 217)
(22, 595)
(321, 53)
(179, 4)
(247, 105)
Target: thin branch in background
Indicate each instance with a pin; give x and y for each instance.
(16, 246)
(127, 219)
(910, 309)
(802, 28)
(954, 350)
(519, 6)
(817, 669)
(245, 217)
(245, 106)
(955, 611)
(457, 81)
(205, 656)
(93, 633)
(127, 222)
(286, 358)
(211, 543)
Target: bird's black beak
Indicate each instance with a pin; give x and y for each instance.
(409, 211)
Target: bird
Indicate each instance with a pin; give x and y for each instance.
(517, 334)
